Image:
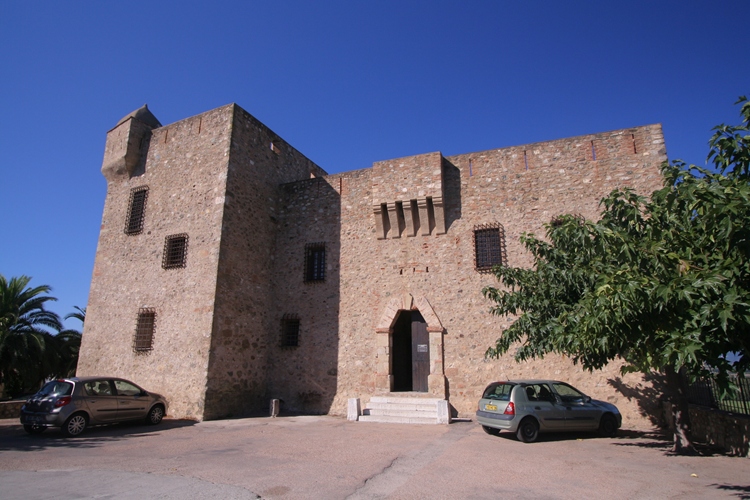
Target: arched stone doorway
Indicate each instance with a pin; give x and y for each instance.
(394, 320)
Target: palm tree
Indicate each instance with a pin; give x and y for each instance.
(69, 344)
(27, 349)
(80, 315)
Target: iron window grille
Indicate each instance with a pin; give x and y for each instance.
(290, 330)
(136, 210)
(144, 330)
(175, 251)
(315, 262)
(489, 246)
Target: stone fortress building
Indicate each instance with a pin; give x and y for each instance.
(232, 270)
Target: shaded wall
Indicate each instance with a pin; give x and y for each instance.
(305, 377)
(246, 315)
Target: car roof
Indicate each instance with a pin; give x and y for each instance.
(528, 381)
(84, 379)
(90, 378)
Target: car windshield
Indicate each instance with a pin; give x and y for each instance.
(499, 391)
(56, 388)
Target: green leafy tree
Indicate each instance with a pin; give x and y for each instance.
(25, 335)
(661, 283)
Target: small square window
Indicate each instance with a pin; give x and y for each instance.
(136, 210)
(488, 246)
(315, 262)
(175, 251)
(290, 330)
(144, 330)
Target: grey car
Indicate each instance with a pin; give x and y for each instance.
(528, 407)
(76, 403)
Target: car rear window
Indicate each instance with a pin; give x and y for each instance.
(57, 388)
(499, 391)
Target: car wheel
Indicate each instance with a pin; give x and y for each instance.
(155, 415)
(75, 425)
(491, 430)
(34, 428)
(528, 431)
(608, 426)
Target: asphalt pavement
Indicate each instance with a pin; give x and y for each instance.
(322, 457)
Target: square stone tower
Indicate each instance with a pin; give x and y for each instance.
(182, 283)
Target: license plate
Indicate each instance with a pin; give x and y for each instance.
(35, 419)
(490, 407)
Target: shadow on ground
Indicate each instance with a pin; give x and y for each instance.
(739, 491)
(13, 437)
(574, 436)
(653, 439)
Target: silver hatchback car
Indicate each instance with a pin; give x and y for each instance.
(528, 407)
(76, 403)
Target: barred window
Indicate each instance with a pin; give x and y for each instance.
(290, 330)
(175, 251)
(489, 246)
(136, 210)
(315, 262)
(144, 330)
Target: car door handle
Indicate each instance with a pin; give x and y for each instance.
(537, 407)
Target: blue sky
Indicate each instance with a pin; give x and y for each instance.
(346, 82)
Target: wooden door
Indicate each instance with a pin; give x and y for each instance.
(420, 352)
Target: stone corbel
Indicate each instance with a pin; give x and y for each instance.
(393, 218)
(377, 211)
(411, 219)
(424, 216)
(437, 206)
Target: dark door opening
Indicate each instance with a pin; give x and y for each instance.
(410, 361)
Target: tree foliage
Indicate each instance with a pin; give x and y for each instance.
(661, 282)
(33, 344)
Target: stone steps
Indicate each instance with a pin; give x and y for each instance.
(390, 419)
(406, 410)
(402, 406)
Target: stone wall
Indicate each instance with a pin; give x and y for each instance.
(520, 188)
(728, 431)
(305, 377)
(11, 409)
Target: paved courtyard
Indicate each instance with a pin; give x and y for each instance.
(331, 458)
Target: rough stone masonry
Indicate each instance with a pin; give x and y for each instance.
(232, 270)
